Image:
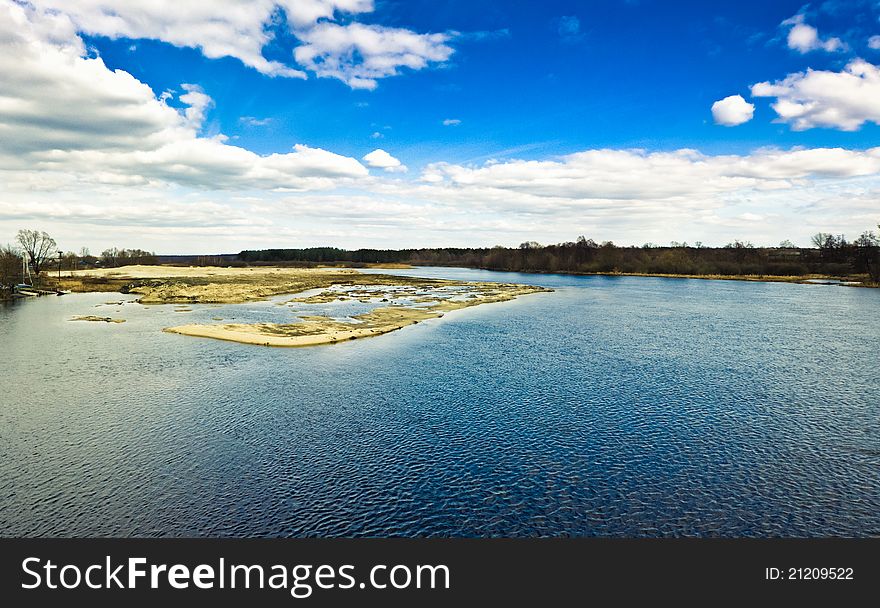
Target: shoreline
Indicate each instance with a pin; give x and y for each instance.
(400, 300)
(319, 330)
(314, 331)
(111, 280)
(749, 278)
(808, 279)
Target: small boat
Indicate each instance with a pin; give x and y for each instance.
(23, 289)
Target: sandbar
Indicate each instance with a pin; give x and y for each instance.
(400, 300)
(317, 330)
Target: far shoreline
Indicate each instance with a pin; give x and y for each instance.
(113, 285)
(811, 279)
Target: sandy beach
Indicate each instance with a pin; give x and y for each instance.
(401, 301)
(205, 285)
(314, 330)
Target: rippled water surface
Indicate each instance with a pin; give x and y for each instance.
(612, 406)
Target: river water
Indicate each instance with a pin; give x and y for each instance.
(616, 406)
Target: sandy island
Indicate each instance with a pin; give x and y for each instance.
(407, 300)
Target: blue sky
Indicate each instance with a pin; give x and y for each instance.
(495, 122)
(624, 74)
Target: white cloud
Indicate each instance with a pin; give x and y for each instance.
(306, 12)
(451, 122)
(95, 157)
(253, 121)
(628, 196)
(198, 104)
(55, 98)
(732, 111)
(874, 43)
(243, 28)
(380, 159)
(843, 100)
(633, 196)
(360, 54)
(805, 38)
(228, 28)
(636, 175)
(66, 115)
(376, 135)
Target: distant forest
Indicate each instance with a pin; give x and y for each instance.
(832, 255)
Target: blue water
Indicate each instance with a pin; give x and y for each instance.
(612, 406)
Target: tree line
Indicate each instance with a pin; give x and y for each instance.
(35, 252)
(832, 255)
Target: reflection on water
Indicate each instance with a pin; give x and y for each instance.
(613, 406)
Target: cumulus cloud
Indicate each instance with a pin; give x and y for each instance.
(65, 114)
(629, 196)
(198, 103)
(451, 122)
(380, 159)
(805, 38)
(356, 54)
(816, 98)
(685, 175)
(874, 43)
(93, 155)
(218, 29)
(55, 98)
(633, 196)
(732, 111)
(360, 54)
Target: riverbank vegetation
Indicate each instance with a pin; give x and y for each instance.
(832, 257)
(10, 269)
(36, 255)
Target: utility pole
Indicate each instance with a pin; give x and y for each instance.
(59, 265)
(26, 270)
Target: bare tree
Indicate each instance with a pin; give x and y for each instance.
(37, 246)
(110, 257)
(867, 248)
(10, 266)
(818, 239)
(70, 261)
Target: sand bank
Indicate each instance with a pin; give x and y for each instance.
(214, 285)
(315, 330)
(402, 301)
(311, 331)
(202, 285)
